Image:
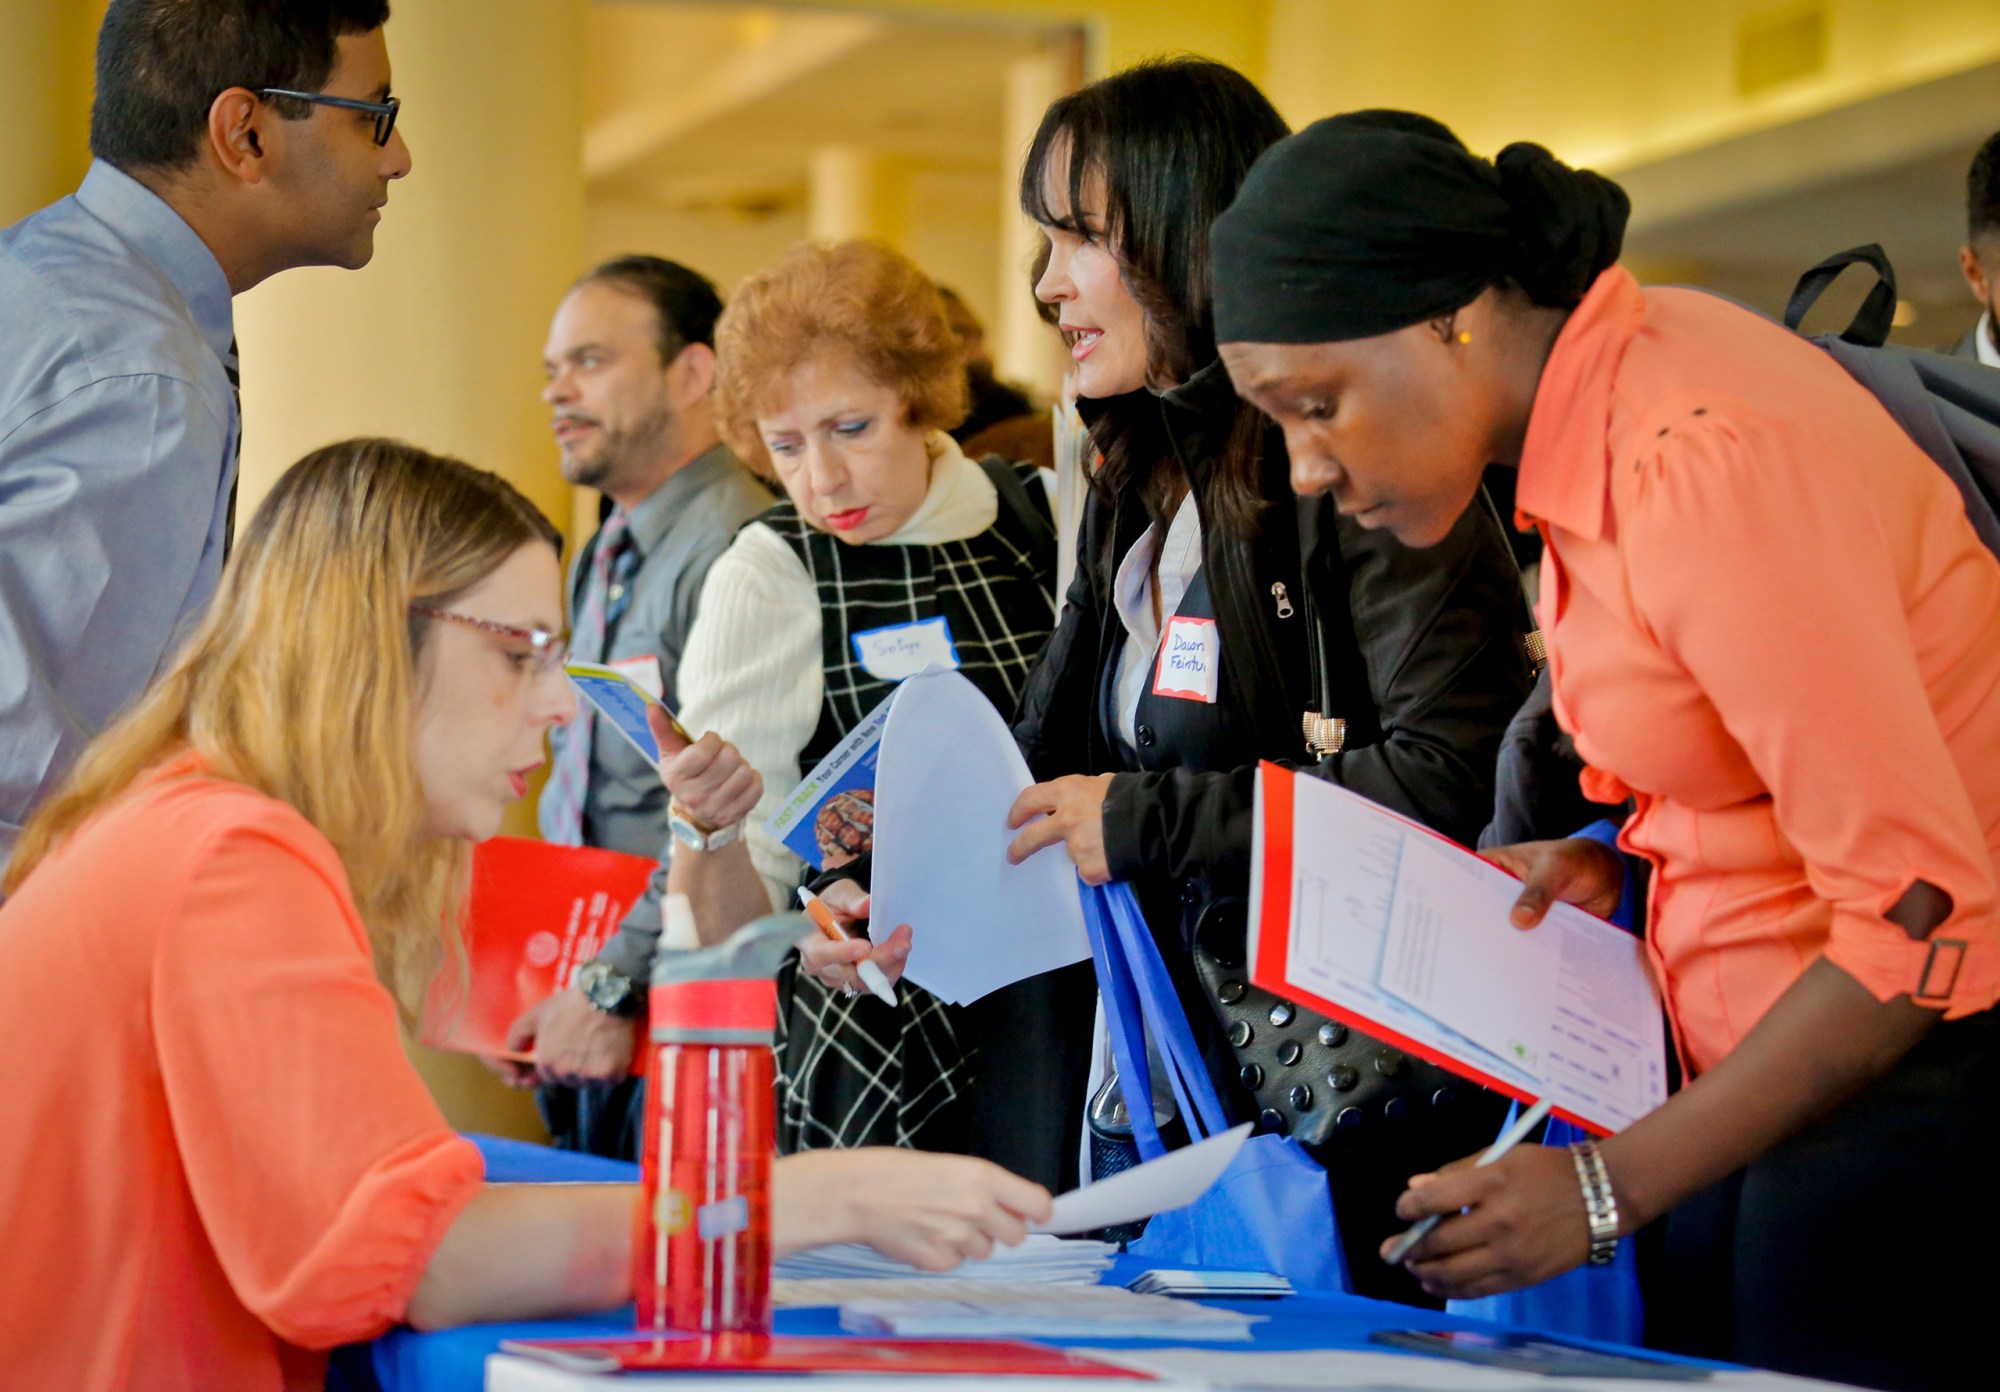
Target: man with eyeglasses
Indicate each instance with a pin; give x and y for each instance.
(233, 139)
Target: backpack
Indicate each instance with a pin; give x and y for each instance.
(1949, 406)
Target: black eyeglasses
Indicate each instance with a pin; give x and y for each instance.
(384, 112)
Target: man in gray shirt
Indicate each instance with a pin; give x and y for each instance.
(630, 360)
(118, 417)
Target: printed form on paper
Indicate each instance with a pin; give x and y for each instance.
(1385, 923)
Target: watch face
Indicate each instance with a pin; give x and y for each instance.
(603, 985)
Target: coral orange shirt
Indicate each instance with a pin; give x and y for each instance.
(216, 1157)
(1771, 625)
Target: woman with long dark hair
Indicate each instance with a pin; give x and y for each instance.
(1770, 626)
(1191, 532)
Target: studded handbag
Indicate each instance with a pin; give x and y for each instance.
(1324, 1083)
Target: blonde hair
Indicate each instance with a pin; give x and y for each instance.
(301, 682)
(858, 301)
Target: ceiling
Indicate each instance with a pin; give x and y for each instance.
(1756, 250)
(698, 106)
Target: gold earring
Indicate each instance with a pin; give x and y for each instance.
(1465, 335)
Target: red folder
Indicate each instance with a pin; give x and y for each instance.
(538, 912)
(1274, 942)
(781, 1353)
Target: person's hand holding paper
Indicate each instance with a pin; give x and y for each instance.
(949, 772)
(1574, 870)
(708, 777)
(1069, 810)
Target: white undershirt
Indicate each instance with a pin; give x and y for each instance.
(1131, 594)
(1982, 341)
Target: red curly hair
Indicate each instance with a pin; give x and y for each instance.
(856, 301)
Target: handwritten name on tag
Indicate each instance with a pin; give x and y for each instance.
(903, 650)
(1190, 655)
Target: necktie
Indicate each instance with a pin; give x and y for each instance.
(561, 809)
(231, 366)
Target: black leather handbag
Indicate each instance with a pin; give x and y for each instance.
(1323, 1083)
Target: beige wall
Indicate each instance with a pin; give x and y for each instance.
(45, 54)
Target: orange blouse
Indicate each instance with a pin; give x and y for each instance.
(1771, 625)
(216, 1157)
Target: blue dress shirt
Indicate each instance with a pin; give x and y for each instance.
(117, 454)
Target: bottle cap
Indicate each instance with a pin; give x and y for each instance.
(724, 994)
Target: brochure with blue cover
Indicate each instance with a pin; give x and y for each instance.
(829, 818)
(623, 702)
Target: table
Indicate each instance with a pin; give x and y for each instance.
(455, 1360)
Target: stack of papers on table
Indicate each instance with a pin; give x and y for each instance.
(1212, 1285)
(990, 1309)
(1041, 1259)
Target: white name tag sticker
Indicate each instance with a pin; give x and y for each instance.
(1190, 655)
(903, 650)
(644, 673)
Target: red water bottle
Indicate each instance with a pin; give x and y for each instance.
(702, 1259)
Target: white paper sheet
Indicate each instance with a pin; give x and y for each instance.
(1366, 1370)
(1410, 932)
(977, 1311)
(1571, 1001)
(1043, 1260)
(946, 776)
(1175, 1180)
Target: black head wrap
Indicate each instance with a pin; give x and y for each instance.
(1367, 223)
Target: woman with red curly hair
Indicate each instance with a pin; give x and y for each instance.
(838, 376)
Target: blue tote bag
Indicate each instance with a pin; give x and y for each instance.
(1270, 1210)
(1591, 1302)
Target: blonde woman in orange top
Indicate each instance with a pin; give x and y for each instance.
(219, 1162)
(1773, 629)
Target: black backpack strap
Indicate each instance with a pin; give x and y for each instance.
(1015, 497)
(1870, 328)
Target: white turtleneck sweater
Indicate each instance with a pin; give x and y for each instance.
(753, 672)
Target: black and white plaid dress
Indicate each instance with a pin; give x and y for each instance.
(851, 1070)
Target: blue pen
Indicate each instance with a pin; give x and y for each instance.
(1514, 1135)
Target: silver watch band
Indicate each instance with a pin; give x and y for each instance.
(1599, 1203)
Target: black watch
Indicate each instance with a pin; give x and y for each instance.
(609, 989)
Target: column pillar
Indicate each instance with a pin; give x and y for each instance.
(45, 57)
(439, 339)
(1025, 349)
(853, 191)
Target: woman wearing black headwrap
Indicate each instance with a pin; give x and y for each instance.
(1772, 627)
(1192, 527)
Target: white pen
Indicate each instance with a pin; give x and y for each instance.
(870, 974)
(1514, 1135)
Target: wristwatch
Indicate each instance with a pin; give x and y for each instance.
(608, 989)
(694, 835)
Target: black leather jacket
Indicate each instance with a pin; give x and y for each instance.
(1423, 650)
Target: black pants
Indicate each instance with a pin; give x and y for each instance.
(1864, 1250)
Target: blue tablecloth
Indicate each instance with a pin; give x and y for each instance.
(454, 1360)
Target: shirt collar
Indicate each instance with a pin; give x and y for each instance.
(1982, 341)
(656, 514)
(1566, 458)
(142, 218)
